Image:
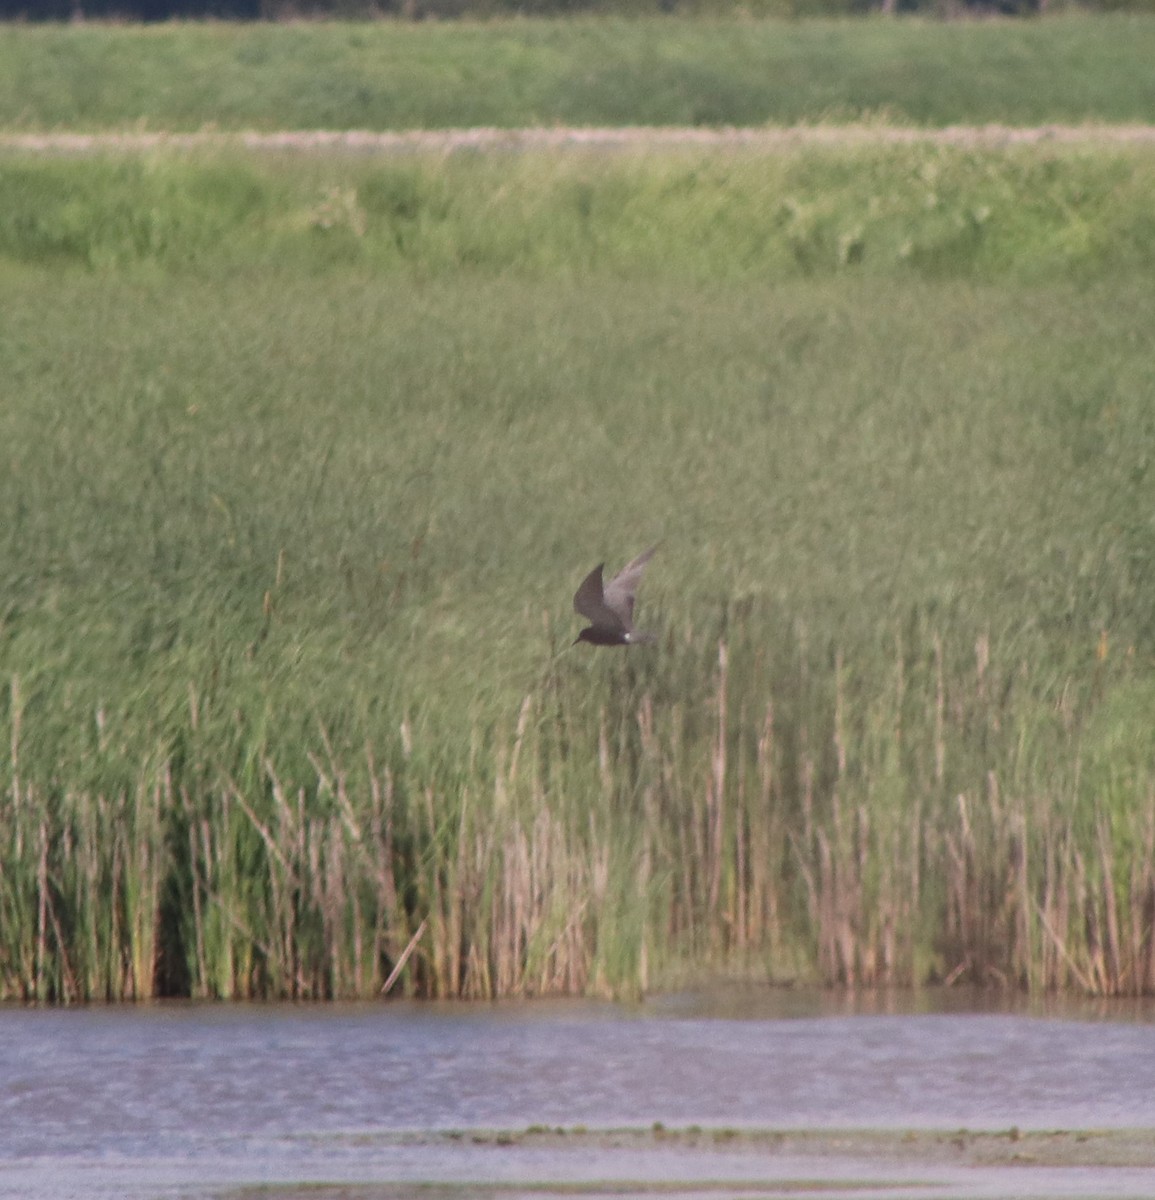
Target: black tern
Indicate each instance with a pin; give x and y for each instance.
(610, 609)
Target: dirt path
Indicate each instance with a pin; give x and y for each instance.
(448, 140)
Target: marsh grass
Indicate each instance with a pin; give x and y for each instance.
(603, 852)
(592, 71)
(287, 702)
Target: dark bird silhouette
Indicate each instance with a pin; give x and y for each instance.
(610, 609)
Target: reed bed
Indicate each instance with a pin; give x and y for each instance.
(795, 820)
(288, 542)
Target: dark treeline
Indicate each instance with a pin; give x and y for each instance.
(141, 10)
(250, 10)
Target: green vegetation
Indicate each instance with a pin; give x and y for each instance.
(665, 71)
(858, 210)
(302, 461)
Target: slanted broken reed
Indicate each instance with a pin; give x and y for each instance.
(858, 839)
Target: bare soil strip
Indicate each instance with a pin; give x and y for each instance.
(768, 139)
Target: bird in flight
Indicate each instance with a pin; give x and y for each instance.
(610, 608)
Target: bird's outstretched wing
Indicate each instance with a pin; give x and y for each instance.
(618, 594)
(589, 601)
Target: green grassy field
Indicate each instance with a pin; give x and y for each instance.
(670, 71)
(304, 459)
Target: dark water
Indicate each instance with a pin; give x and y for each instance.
(185, 1100)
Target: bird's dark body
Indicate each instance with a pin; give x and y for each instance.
(602, 637)
(610, 608)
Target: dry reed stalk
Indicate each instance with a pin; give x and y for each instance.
(1061, 913)
(878, 911)
(495, 964)
(519, 737)
(40, 982)
(69, 992)
(17, 902)
(16, 720)
(677, 805)
(285, 847)
(939, 713)
(813, 874)
(334, 888)
(1049, 959)
(899, 689)
(917, 838)
(839, 719)
(684, 907)
(1133, 944)
(283, 884)
(1013, 856)
(116, 981)
(520, 882)
(89, 900)
(827, 921)
(515, 878)
(216, 870)
(605, 768)
(1148, 918)
(807, 790)
(337, 890)
(840, 880)
(146, 868)
(399, 965)
(545, 860)
(737, 915)
(462, 892)
(1143, 906)
(1113, 966)
(477, 973)
(1097, 977)
(381, 838)
(855, 947)
(862, 932)
(964, 902)
(766, 855)
(883, 950)
(716, 797)
(982, 662)
(650, 826)
(443, 902)
(1090, 949)
(1063, 951)
(477, 976)
(199, 986)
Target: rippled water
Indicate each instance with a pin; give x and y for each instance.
(181, 1100)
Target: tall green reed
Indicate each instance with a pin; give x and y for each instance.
(852, 817)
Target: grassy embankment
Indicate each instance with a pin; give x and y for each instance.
(583, 72)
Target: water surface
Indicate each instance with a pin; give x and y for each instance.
(184, 1100)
